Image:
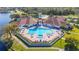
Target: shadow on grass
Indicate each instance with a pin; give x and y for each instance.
(71, 47)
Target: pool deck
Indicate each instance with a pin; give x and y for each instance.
(35, 38)
(38, 44)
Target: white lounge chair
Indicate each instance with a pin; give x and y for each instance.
(35, 37)
(45, 37)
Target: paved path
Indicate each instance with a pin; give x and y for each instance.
(47, 48)
(19, 41)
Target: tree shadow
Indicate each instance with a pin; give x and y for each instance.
(8, 44)
(70, 47)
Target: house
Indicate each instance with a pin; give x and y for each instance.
(75, 19)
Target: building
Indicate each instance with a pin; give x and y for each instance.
(56, 21)
(26, 21)
(23, 21)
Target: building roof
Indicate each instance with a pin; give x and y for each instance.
(56, 20)
(24, 21)
(61, 19)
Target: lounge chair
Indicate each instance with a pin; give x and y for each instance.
(45, 37)
(35, 37)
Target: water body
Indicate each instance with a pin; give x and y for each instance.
(2, 47)
(4, 20)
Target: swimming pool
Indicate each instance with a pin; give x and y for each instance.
(40, 36)
(40, 31)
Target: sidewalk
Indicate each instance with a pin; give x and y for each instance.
(19, 41)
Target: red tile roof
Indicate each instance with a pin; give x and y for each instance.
(24, 21)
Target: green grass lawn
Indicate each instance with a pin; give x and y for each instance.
(17, 46)
(72, 16)
(76, 30)
(73, 33)
(60, 43)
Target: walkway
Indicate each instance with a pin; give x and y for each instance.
(19, 41)
(45, 49)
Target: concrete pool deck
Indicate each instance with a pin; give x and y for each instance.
(33, 38)
(24, 33)
(26, 42)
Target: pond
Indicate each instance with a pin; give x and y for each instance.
(2, 47)
(4, 20)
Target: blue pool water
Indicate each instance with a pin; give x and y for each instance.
(41, 31)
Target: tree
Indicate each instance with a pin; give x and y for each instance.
(77, 21)
(10, 28)
(7, 37)
(71, 44)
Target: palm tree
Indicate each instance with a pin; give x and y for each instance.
(10, 28)
(14, 26)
